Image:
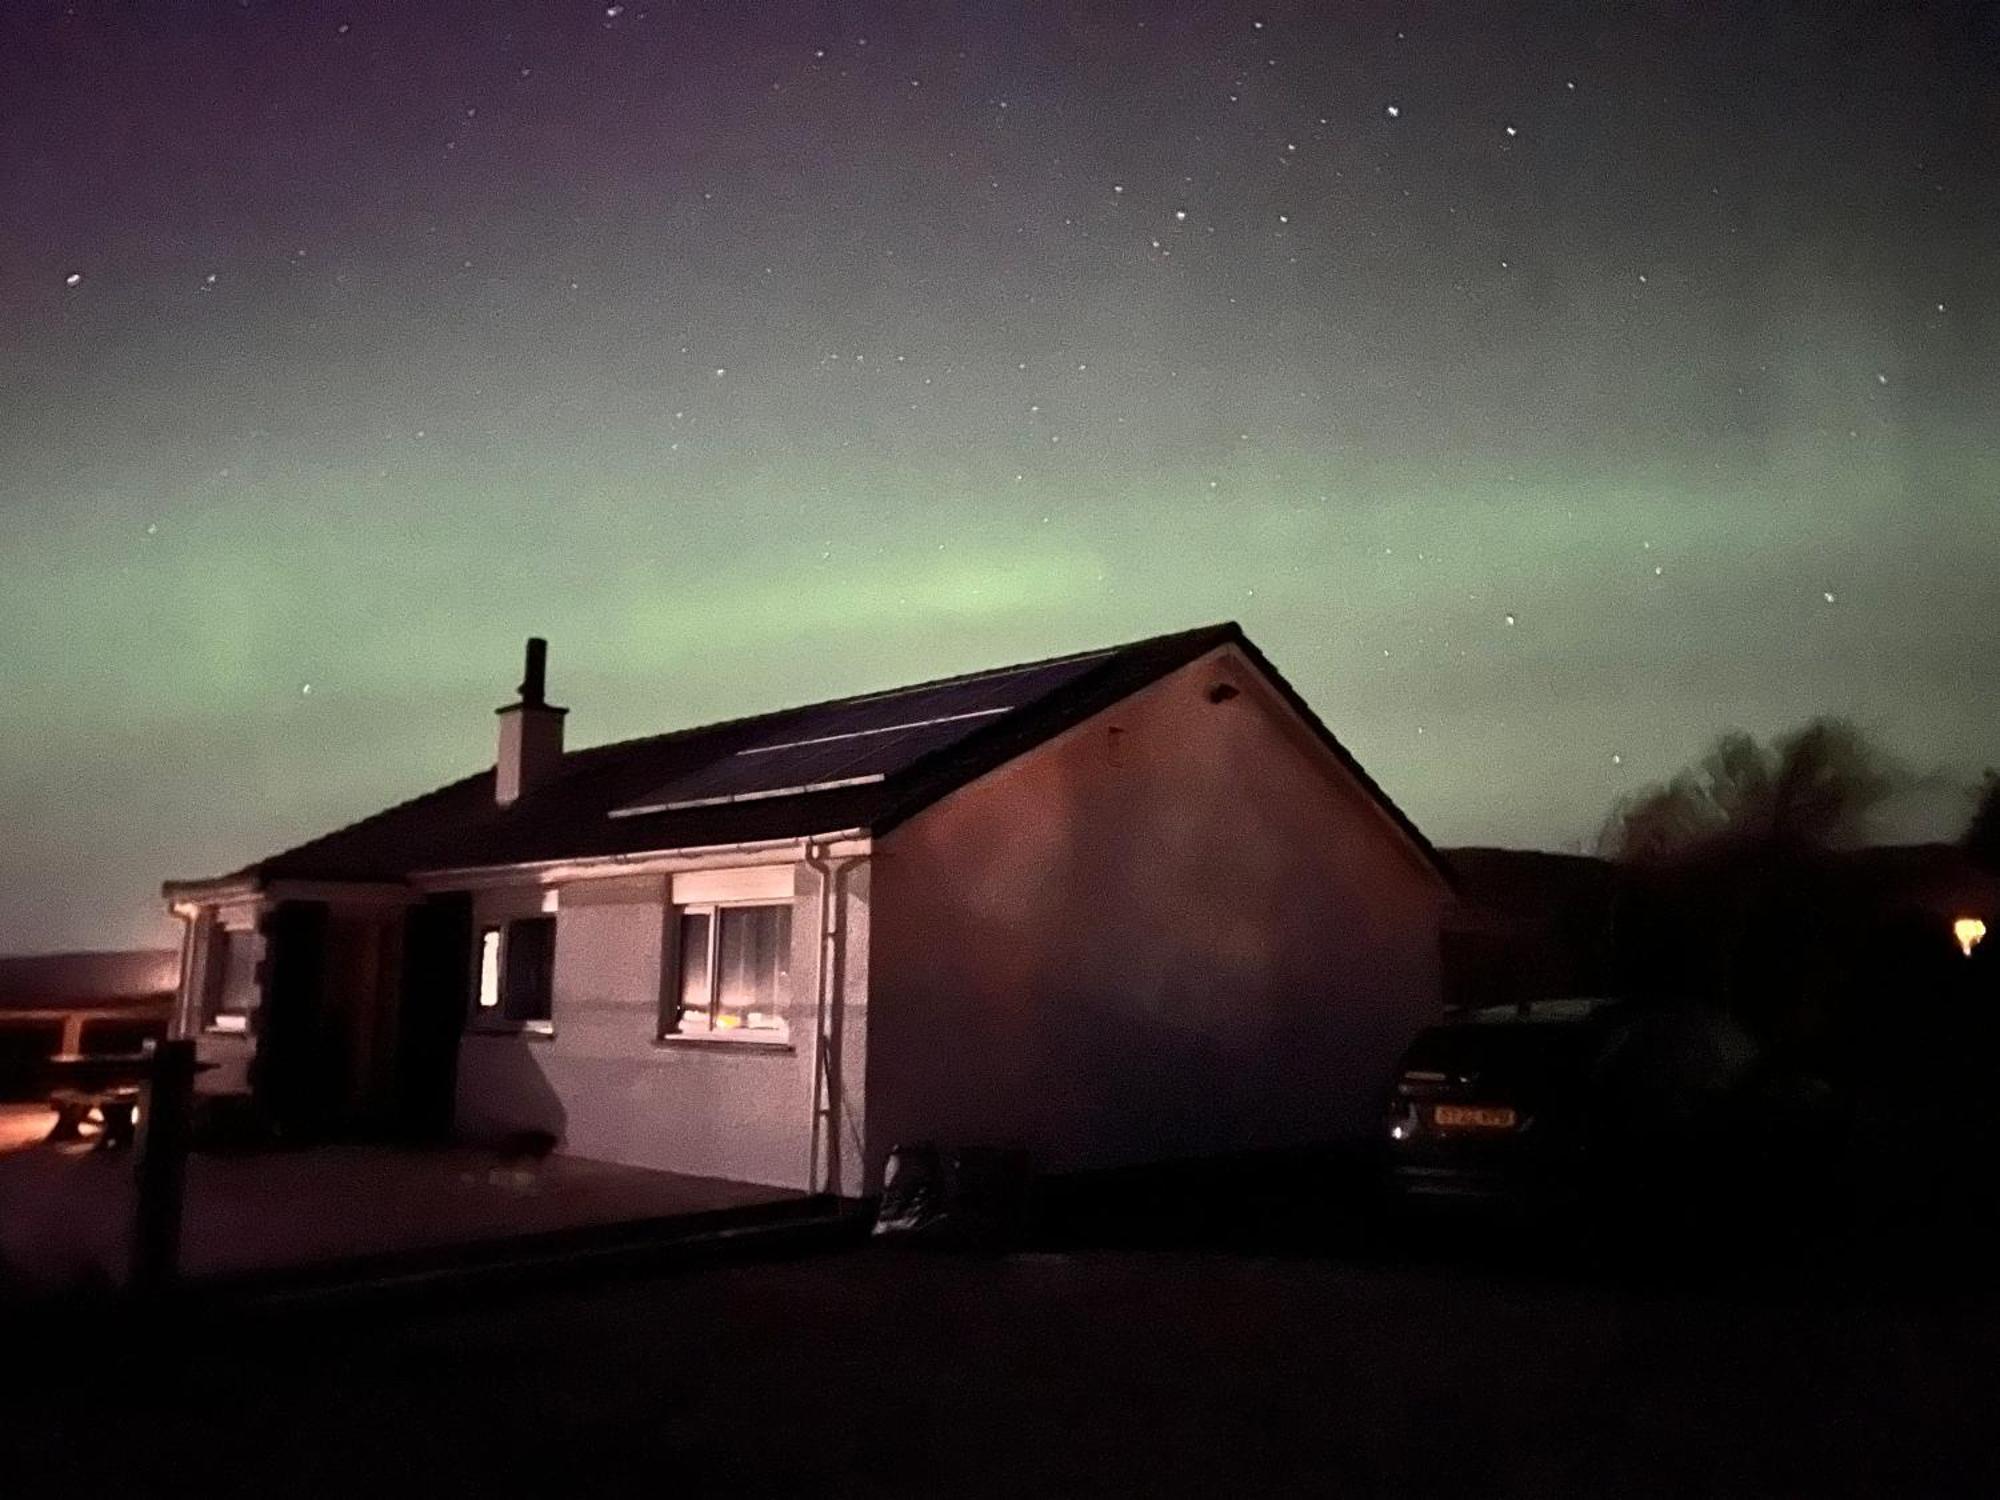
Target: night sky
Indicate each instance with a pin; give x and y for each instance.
(1545, 387)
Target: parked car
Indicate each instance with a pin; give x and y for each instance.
(1546, 1101)
(1495, 1103)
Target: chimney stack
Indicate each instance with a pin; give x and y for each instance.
(531, 732)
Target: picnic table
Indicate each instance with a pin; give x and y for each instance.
(117, 1107)
(110, 1084)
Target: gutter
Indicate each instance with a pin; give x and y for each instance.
(639, 862)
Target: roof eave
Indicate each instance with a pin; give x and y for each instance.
(1200, 642)
(998, 746)
(240, 886)
(1424, 848)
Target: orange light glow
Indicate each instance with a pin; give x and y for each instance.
(1968, 931)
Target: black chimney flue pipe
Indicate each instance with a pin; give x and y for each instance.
(534, 684)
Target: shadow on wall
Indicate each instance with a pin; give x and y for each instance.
(1132, 1085)
(504, 1093)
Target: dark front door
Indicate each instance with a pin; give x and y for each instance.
(437, 983)
(301, 1058)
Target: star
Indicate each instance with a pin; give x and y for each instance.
(75, 278)
(1394, 111)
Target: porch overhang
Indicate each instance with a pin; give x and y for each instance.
(184, 895)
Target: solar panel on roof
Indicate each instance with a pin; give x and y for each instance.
(850, 758)
(861, 734)
(860, 740)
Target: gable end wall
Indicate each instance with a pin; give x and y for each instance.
(1178, 929)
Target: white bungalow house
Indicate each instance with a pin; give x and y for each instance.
(1130, 905)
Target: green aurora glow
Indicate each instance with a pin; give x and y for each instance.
(959, 424)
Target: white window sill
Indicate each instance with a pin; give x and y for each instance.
(540, 1031)
(725, 1041)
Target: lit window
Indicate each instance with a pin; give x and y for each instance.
(489, 969)
(517, 973)
(735, 973)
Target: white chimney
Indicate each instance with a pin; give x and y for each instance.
(531, 733)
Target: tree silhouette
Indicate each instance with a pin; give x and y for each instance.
(1872, 1030)
(1726, 896)
(1810, 790)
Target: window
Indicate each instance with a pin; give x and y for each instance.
(232, 981)
(735, 975)
(517, 962)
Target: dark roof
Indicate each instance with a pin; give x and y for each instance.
(899, 751)
(55, 980)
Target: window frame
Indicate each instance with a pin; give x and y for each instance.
(668, 1032)
(493, 1020)
(223, 943)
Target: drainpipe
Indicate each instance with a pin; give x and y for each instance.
(826, 1100)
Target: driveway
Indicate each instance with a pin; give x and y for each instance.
(886, 1372)
(65, 1213)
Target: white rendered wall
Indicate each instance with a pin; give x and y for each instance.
(1192, 936)
(610, 1091)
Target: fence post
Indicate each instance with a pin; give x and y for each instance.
(161, 1165)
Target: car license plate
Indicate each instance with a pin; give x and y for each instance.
(1473, 1117)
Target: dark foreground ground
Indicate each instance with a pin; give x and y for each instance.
(1217, 1365)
